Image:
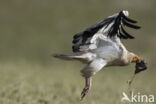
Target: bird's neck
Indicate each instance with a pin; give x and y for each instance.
(126, 57)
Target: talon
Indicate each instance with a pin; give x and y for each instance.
(84, 92)
(86, 88)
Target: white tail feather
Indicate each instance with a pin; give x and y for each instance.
(71, 56)
(64, 56)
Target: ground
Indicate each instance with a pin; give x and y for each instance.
(35, 83)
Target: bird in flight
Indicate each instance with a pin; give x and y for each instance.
(100, 46)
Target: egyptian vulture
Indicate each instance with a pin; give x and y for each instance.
(100, 46)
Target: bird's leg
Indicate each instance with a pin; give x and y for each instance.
(87, 87)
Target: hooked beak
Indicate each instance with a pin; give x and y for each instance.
(136, 58)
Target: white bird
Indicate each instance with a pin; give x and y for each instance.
(99, 46)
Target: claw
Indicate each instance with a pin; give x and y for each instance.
(86, 88)
(84, 92)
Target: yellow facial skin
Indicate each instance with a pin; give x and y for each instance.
(135, 58)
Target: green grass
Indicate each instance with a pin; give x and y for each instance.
(33, 83)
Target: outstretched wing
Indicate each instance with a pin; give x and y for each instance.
(106, 30)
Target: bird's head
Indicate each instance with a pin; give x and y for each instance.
(136, 58)
(133, 57)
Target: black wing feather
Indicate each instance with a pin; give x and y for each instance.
(128, 19)
(121, 35)
(116, 29)
(127, 34)
(121, 20)
(130, 25)
(79, 39)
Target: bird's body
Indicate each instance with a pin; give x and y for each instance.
(99, 46)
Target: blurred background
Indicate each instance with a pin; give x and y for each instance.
(31, 30)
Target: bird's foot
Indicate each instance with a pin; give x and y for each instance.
(85, 91)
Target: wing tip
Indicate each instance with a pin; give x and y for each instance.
(125, 12)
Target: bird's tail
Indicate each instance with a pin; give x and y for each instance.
(69, 56)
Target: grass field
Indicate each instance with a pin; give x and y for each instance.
(26, 83)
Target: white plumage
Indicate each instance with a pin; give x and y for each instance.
(99, 46)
